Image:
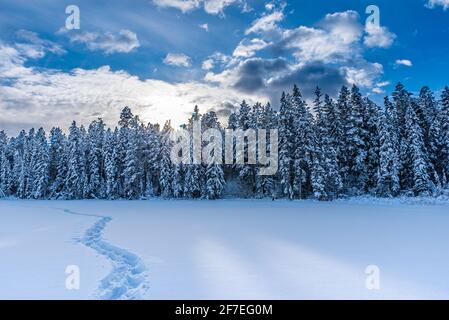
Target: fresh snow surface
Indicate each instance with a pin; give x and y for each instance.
(229, 249)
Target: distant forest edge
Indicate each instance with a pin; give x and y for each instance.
(334, 148)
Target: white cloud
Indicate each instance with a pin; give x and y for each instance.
(208, 64)
(210, 6)
(177, 59)
(215, 59)
(383, 84)
(124, 42)
(44, 97)
(183, 5)
(345, 26)
(32, 46)
(378, 90)
(12, 62)
(336, 40)
(216, 6)
(364, 75)
(438, 3)
(204, 26)
(378, 37)
(269, 6)
(266, 23)
(247, 49)
(404, 62)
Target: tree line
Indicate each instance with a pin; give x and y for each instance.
(334, 148)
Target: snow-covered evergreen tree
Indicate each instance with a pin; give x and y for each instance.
(342, 127)
(110, 163)
(247, 172)
(214, 182)
(58, 155)
(74, 184)
(266, 185)
(132, 172)
(5, 174)
(303, 140)
(41, 161)
(444, 133)
(388, 177)
(151, 154)
(5, 166)
(194, 173)
(166, 166)
(357, 143)
(94, 183)
(416, 161)
(213, 174)
(286, 147)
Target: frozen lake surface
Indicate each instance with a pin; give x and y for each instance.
(229, 249)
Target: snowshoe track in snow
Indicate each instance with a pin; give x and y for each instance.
(128, 279)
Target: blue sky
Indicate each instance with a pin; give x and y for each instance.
(161, 57)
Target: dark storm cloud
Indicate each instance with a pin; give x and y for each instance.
(252, 74)
(329, 79)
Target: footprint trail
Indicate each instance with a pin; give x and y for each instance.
(128, 279)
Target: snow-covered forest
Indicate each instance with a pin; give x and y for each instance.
(330, 149)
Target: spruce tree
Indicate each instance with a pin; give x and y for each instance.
(444, 126)
(110, 156)
(417, 162)
(41, 166)
(166, 166)
(388, 177)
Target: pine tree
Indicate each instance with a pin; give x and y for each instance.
(266, 185)
(151, 154)
(5, 166)
(166, 167)
(417, 161)
(5, 174)
(132, 173)
(194, 173)
(444, 126)
(388, 177)
(426, 111)
(24, 177)
(247, 172)
(401, 99)
(213, 174)
(110, 156)
(74, 184)
(58, 154)
(333, 182)
(286, 147)
(41, 166)
(214, 182)
(343, 113)
(94, 184)
(318, 176)
(178, 180)
(357, 147)
(303, 136)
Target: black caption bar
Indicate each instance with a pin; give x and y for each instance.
(185, 310)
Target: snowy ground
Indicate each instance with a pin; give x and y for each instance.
(232, 249)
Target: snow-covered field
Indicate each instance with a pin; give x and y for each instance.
(234, 249)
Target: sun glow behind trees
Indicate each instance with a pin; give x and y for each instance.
(346, 147)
